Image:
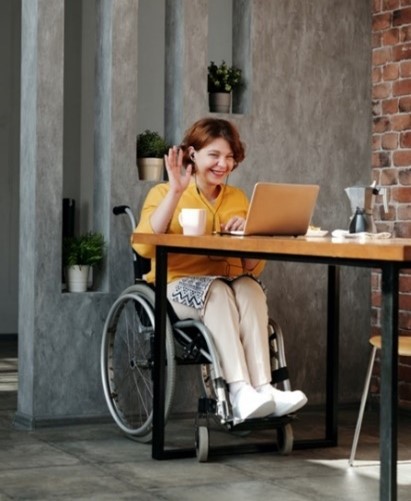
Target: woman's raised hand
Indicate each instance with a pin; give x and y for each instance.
(178, 179)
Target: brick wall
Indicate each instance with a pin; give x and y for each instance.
(391, 153)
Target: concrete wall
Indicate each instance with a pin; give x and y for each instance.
(151, 69)
(79, 89)
(305, 117)
(10, 13)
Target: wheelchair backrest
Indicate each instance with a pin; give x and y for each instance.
(141, 264)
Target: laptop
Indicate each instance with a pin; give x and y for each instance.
(279, 209)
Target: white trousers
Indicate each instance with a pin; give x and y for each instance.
(237, 316)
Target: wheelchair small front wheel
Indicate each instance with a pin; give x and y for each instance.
(127, 362)
(285, 439)
(202, 444)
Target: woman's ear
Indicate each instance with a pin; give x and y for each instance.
(191, 152)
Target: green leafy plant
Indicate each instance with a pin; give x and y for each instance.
(151, 145)
(223, 78)
(87, 249)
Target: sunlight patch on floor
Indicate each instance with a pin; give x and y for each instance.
(8, 374)
(370, 469)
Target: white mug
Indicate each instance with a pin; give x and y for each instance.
(193, 221)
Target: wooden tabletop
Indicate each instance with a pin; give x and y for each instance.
(391, 249)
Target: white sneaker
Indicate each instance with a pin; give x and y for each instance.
(248, 403)
(286, 402)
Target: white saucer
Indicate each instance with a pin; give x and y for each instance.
(316, 233)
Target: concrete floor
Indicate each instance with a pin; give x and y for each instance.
(97, 462)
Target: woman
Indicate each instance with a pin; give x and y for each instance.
(222, 292)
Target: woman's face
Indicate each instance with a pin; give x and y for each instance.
(214, 162)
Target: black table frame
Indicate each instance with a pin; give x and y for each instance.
(389, 356)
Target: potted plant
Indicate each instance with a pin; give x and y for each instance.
(80, 254)
(221, 81)
(150, 151)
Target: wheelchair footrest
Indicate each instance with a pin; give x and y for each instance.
(262, 423)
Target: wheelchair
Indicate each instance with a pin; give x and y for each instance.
(127, 365)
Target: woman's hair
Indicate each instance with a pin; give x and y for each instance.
(206, 130)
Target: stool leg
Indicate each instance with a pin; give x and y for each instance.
(362, 406)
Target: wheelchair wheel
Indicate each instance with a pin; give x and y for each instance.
(202, 445)
(127, 362)
(285, 439)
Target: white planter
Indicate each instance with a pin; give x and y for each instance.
(150, 169)
(77, 278)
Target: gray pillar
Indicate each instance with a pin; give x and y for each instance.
(60, 333)
(115, 131)
(242, 13)
(186, 97)
(40, 185)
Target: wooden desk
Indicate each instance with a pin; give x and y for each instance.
(388, 255)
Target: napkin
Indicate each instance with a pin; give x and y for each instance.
(361, 235)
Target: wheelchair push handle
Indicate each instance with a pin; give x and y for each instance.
(120, 209)
(125, 209)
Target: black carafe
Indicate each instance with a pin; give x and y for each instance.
(358, 222)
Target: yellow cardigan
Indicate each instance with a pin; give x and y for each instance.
(230, 202)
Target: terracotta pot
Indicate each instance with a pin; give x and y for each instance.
(150, 169)
(219, 102)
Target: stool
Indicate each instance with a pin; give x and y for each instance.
(404, 350)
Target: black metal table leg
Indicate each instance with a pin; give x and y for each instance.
(333, 331)
(159, 366)
(389, 383)
(160, 356)
(332, 363)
